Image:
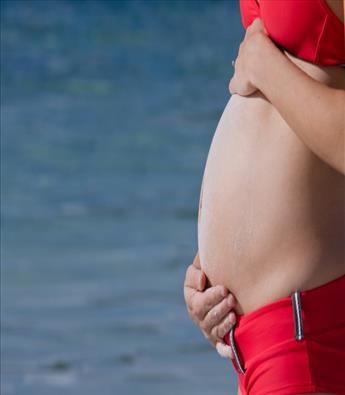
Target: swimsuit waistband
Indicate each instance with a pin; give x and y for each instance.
(324, 294)
(320, 309)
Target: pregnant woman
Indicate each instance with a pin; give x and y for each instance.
(272, 209)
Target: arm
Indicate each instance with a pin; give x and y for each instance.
(314, 111)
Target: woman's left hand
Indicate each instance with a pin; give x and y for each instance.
(252, 47)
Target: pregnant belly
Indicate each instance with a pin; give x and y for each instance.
(258, 233)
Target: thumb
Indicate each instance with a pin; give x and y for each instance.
(196, 261)
(202, 281)
(232, 86)
(258, 24)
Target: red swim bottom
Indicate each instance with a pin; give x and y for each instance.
(295, 345)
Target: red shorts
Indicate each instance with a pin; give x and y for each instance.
(294, 345)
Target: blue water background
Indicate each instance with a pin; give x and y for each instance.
(107, 112)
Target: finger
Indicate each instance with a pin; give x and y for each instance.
(202, 302)
(202, 282)
(219, 331)
(203, 279)
(196, 262)
(189, 297)
(256, 25)
(195, 278)
(206, 300)
(224, 350)
(232, 86)
(216, 315)
(228, 322)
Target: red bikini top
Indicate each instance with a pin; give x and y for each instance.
(308, 29)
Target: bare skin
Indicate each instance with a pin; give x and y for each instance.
(268, 224)
(272, 215)
(273, 223)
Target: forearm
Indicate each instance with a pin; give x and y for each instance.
(314, 111)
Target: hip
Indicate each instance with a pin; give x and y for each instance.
(293, 345)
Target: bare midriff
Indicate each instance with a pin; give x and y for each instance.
(272, 213)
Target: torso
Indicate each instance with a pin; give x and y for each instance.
(273, 217)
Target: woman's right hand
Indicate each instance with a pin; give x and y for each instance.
(210, 308)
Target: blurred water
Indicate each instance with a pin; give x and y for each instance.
(107, 112)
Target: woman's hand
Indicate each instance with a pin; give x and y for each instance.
(251, 49)
(210, 309)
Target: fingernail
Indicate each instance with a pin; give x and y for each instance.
(223, 350)
(230, 300)
(224, 292)
(220, 350)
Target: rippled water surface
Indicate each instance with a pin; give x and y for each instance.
(107, 112)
